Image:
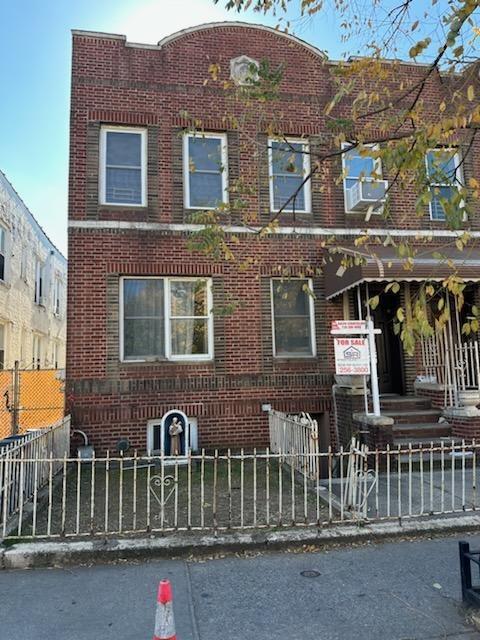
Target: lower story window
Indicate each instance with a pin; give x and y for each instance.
(166, 318)
(37, 352)
(292, 317)
(2, 346)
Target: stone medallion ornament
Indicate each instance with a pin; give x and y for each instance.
(241, 70)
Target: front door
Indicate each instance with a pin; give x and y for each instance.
(390, 364)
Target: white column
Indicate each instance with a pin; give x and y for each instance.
(373, 367)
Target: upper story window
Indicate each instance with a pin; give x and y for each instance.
(39, 292)
(289, 165)
(363, 186)
(57, 293)
(444, 177)
(3, 253)
(123, 172)
(205, 170)
(24, 264)
(293, 317)
(166, 318)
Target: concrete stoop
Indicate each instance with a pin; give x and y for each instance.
(47, 554)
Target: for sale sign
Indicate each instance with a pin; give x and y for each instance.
(348, 327)
(352, 356)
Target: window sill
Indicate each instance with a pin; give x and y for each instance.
(378, 212)
(164, 361)
(294, 358)
(103, 206)
(189, 208)
(291, 212)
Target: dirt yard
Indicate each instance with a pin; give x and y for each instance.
(108, 499)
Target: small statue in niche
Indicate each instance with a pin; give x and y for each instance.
(174, 431)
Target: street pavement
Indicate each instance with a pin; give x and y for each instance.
(405, 590)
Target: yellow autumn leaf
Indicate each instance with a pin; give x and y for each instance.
(471, 93)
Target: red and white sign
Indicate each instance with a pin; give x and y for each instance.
(352, 356)
(349, 326)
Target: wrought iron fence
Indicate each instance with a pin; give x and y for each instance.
(27, 463)
(221, 491)
(296, 434)
(30, 399)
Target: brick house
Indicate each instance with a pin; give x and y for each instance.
(142, 338)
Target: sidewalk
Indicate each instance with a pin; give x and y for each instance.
(405, 590)
(430, 491)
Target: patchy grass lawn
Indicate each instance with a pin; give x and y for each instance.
(102, 500)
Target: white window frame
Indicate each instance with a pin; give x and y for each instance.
(167, 321)
(102, 173)
(458, 177)
(57, 287)
(3, 345)
(306, 171)
(4, 234)
(39, 271)
(37, 351)
(378, 170)
(208, 317)
(55, 352)
(186, 167)
(311, 306)
(24, 264)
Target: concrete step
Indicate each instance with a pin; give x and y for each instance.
(404, 403)
(426, 416)
(426, 443)
(423, 430)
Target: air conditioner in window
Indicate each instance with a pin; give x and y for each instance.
(367, 193)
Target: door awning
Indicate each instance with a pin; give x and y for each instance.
(350, 266)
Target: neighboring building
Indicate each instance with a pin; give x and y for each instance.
(33, 286)
(142, 338)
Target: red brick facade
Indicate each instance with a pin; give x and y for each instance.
(114, 82)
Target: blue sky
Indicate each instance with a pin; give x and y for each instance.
(35, 51)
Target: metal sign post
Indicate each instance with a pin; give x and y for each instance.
(357, 356)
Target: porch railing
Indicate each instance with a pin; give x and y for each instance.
(220, 491)
(451, 362)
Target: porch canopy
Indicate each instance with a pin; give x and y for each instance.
(350, 266)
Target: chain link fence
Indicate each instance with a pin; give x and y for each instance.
(30, 399)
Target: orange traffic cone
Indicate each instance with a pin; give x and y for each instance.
(164, 621)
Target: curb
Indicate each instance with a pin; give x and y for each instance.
(46, 554)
